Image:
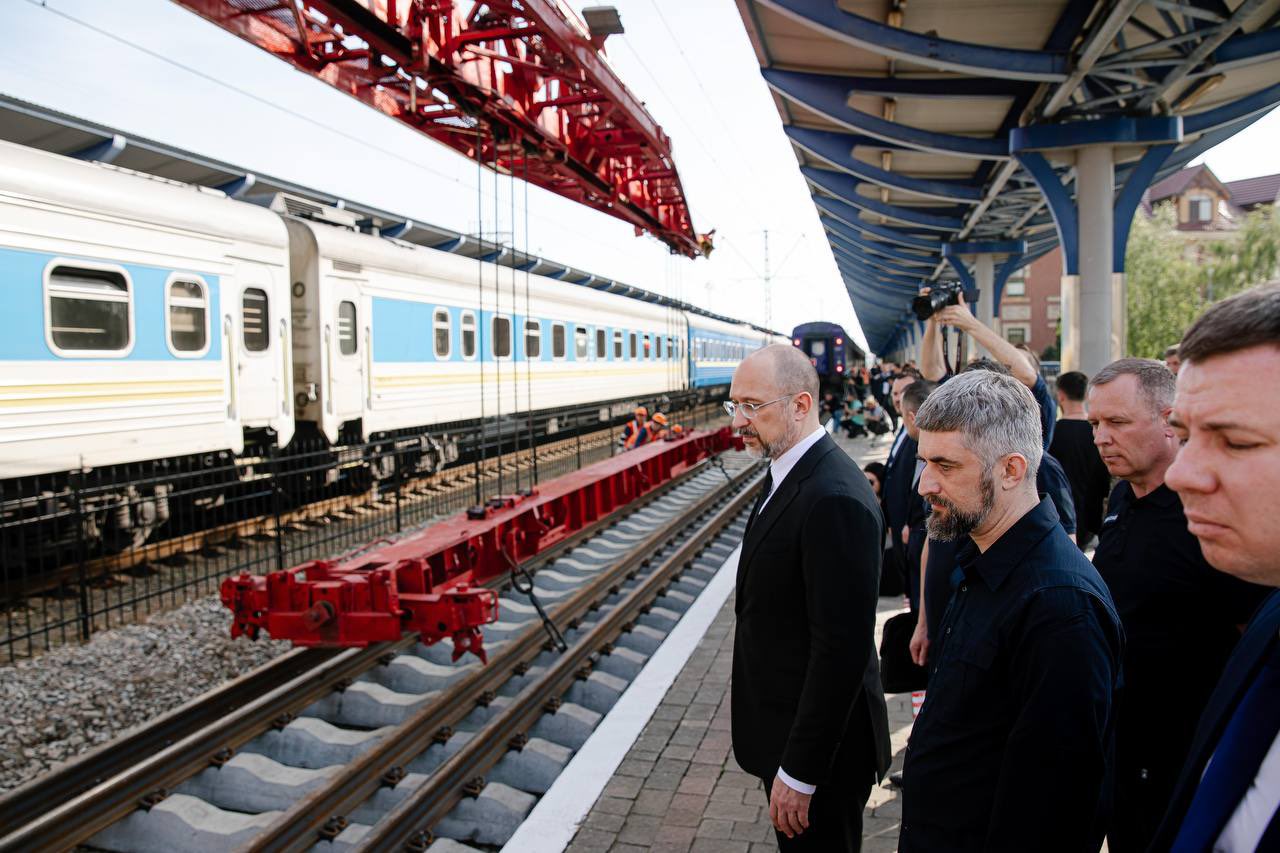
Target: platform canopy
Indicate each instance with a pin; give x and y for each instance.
(918, 124)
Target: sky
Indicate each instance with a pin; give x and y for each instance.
(151, 68)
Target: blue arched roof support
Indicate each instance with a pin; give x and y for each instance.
(828, 95)
(837, 149)
(559, 274)
(874, 281)
(529, 264)
(889, 266)
(1010, 265)
(888, 250)
(1258, 102)
(850, 215)
(845, 187)
(927, 50)
(397, 230)
(1139, 178)
(1061, 205)
(854, 266)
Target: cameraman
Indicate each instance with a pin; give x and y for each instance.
(933, 366)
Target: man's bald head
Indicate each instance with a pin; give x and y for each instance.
(790, 368)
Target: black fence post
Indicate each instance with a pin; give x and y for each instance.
(274, 454)
(82, 580)
(577, 440)
(397, 474)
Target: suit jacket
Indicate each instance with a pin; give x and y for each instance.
(1237, 676)
(898, 488)
(806, 678)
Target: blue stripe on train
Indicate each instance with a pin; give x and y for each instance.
(22, 308)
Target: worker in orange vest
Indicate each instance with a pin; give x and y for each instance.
(636, 432)
(658, 427)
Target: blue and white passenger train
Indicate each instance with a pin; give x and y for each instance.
(144, 320)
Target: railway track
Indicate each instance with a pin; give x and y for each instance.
(376, 748)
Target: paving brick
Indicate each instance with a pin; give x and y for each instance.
(592, 841)
(683, 753)
(732, 811)
(670, 765)
(603, 821)
(728, 795)
(753, 832)
(623, 786)
(715, 828)
(702, 771)
(718, 845)
(652, 802)
(632, 767)
(629, 848)
(668, 712)
(683, 817)
(639, 829)
(691, 785)
(663, 781)
(612, 805)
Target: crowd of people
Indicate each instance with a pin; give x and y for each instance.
(1092, 576)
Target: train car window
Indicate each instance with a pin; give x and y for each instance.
(648, 347)
(601, 341)
(634, 345)
(617, 346)
(88, 309)
(658, 354)
(557, 340)
(188, 315)
(347, 328)
(468, 329)
(818, 348)
(443, 334)
(580, 342)
(501, 335)
(255, 319)
(532, 339)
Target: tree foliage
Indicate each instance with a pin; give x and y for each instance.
(1173, 276)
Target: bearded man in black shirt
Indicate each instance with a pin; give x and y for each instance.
(1181, 617)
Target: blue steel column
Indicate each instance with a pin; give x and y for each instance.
(1093, 226)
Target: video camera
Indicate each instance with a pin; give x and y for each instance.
(941, 295)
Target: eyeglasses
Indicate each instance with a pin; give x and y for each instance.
(750, 410)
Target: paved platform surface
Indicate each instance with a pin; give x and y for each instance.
(679, 788)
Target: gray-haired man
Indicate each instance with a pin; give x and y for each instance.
(1013, 743)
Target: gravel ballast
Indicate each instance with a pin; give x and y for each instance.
(73, 698)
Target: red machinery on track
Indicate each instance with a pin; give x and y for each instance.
(521, 86)
(434, 581)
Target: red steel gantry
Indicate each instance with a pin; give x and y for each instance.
(518, 82)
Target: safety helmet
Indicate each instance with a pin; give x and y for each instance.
(642, 412)
(659, 418)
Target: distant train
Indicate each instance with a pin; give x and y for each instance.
(830, 350)
(144, 321)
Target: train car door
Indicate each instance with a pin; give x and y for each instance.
(258, 351)
(347, 347)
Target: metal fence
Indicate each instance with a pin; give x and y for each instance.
(92, 550)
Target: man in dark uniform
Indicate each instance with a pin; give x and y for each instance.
(1181, 617)
(808, 712)
(1073, 447)
(1012, 747)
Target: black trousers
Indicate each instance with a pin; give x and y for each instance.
(835, 819)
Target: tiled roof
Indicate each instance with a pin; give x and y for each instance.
(1260, 190)
(1174, 184)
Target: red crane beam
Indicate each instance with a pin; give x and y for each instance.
(517, 83)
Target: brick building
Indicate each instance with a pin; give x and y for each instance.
(1207, 208)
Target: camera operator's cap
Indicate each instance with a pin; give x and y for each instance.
(659, 418)
(642, 412)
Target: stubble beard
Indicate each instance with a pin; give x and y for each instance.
(957, 523)
(772, 450)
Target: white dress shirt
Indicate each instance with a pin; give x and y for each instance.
(779, 469)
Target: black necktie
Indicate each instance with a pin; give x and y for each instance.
(764, 496)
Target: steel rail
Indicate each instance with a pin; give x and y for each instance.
(76, 820)
(95, 790)
(404, 826)
(102, 763)
(299, 827)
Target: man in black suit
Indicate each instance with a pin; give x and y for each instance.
(808, 712)
(898, 493)
(1227, 473)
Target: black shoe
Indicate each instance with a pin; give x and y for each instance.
(895, 781)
